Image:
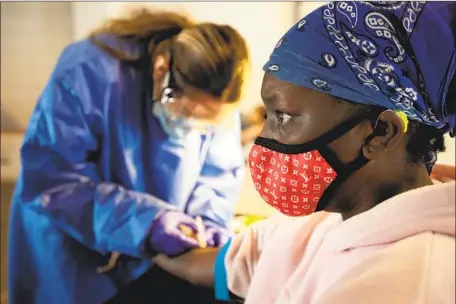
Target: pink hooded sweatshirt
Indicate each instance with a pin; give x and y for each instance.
(402, 251)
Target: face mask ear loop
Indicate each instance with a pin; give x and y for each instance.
(167, 92)
(165, 83)
(400, 114)
(376, 130)
(379, 132)
(379, 116)
(167, 87)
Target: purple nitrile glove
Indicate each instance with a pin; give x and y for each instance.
(167, 238)
(216, 236)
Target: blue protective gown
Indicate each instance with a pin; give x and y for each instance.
(96, 169)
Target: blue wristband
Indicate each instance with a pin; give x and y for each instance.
(220, 278)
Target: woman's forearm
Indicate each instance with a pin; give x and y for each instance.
(202, 269)
(195, 267)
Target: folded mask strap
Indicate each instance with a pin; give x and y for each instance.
(343, 172)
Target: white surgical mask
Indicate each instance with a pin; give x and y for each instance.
(174, 126)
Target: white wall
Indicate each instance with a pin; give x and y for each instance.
(306, 7)
(261, 23)
(31, 44)
(449, 156)
(34, 33)
(86, 16)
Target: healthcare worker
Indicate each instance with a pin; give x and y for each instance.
(359, 96)
(135, 134)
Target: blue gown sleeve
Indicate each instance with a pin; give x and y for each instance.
(59, 182)
(219, 184)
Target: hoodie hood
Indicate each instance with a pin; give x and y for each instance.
(426, 209)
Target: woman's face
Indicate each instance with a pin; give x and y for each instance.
(199, 106)
(297, 115)
(194, 104)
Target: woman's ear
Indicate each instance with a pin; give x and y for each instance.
(160, 68)
(387, 134)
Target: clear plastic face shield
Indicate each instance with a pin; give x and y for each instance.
(180, 115)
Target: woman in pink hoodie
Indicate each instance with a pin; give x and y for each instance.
(359, 96)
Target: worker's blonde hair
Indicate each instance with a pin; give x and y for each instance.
(208, 57)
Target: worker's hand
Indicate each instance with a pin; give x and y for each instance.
(216, 236)
(443, 173)
(195, 266)
(167, 237)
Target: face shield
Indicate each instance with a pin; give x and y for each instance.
(179, 115)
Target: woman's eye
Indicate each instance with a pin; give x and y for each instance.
(283, 118)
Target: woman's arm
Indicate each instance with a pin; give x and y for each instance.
(228, 269)
(196, 266)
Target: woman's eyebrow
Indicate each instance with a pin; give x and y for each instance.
(269, 97)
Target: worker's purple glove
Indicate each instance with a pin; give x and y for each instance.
(216, 236)
(167, 238)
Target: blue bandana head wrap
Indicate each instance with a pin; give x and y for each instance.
(394, 54)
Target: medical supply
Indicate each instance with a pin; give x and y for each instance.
(201, 234)
(166, 235)
(111, 263)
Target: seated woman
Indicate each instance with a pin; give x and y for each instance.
(358, 99)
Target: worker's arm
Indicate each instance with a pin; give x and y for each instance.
(218, 186)
(228, 269)
(58, 179)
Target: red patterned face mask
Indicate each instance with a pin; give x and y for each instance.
(299, 179)
(291, 183)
